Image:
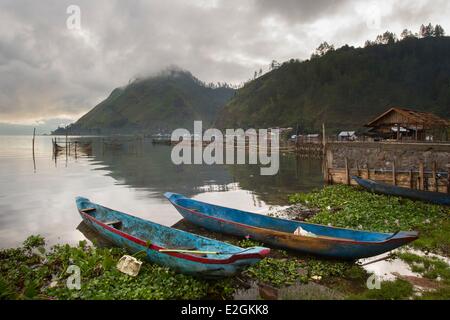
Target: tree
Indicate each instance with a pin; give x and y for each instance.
(406, 34)
(274, 65)
(255, 75)
(323, 49)
(439, 31)
(260, 72)
(386, 38)
(369, 43)
(426, 31)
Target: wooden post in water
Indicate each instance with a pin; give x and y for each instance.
(347, 172)
(421, 176)
(66, 143)
(394, 174)
(34, 159)
(34, 135)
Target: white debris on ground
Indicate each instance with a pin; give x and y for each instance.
(129, 265)
(297, 212)
(302, 232)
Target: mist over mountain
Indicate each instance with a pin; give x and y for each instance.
(343, 88)
(172, 99)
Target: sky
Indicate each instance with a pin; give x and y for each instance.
(59, 58)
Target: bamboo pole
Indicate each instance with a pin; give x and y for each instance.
(421, 176)
(34, 136)
(326, 176)
(324, 139)
(347, 172)
(394, 174)
(448, 178)
(411, 179)
(434, 173)
(34, 158)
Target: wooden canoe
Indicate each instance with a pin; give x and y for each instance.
(136, 234)
(384, 188)
(327, 241)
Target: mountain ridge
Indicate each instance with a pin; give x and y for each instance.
(346, 87)
(171, 99)
(343, 88)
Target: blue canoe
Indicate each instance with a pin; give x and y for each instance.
(135, 234)
(384, 188)
(326, 241)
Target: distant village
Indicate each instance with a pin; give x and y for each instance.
(395, 124)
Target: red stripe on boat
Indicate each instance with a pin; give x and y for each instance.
(260, 255)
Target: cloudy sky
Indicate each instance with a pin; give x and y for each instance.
(51, 71)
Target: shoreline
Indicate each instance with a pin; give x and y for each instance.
(41, 272)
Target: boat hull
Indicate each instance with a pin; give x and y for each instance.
(328, 246)
(205, 267)
(383, 188)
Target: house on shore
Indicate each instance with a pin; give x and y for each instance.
(404, 124)
(347, 136)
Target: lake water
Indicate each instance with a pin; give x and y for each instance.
(38, 197)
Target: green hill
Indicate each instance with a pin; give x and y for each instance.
(172, 99)
(345, 88)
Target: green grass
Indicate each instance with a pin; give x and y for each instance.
(389, 290)
(428, 266)
(277, 272)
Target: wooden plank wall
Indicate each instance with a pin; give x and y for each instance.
(423, 179)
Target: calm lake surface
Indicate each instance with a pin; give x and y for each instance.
(38, 197)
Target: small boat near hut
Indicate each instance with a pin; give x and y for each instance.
(384, 188)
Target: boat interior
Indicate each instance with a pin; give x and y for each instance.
(159, 235)
(277, 224)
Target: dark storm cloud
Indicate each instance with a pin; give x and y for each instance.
(48, 71)
(300, 11)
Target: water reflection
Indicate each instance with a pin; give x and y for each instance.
(145, 165)
(129, 176)
(93, 236)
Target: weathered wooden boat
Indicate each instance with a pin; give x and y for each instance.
(320, 240)
(384, 188)
(182, 251)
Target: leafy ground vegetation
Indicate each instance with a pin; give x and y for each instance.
(31, 272)
(349, 207)
(35, 271)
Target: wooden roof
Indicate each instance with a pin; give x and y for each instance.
(412, 117)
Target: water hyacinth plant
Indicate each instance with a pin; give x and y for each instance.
(349, 207)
